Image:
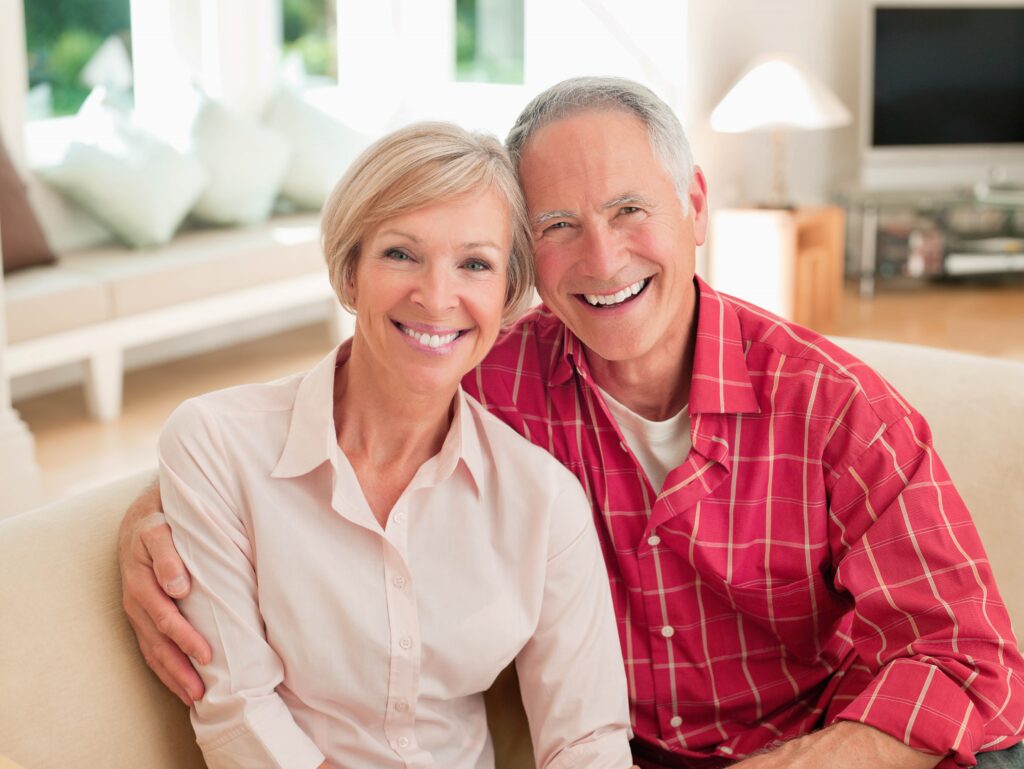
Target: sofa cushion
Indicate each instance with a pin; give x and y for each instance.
(246, 163)
(134, 183)
(21, 238)
(202, 263)
(322, 148)
(47, 300)
(76, 692)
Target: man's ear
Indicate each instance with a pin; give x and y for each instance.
(698, 197)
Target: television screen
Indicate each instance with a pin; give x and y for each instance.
(948, 75)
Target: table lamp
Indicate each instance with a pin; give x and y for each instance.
(777, 94)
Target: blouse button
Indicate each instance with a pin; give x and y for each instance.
(403, 742)
(401, 706)
(399, 581)
(405, 643)
(399, 517)
(668, 631)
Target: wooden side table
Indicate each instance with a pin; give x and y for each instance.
(788, 261)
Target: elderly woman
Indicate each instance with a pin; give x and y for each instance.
(369, 548)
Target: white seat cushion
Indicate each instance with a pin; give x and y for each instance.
(204, 262)
(51, 299)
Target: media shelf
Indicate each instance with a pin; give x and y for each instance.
(918, 234)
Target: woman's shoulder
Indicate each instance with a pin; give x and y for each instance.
(243, 410)
(512, 459)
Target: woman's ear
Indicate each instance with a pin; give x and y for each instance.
(350, 287)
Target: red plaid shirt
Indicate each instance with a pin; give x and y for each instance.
(808, 561)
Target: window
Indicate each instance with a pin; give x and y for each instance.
(74, 46)
(489, 41)
(310, 41)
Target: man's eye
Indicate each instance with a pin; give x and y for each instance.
(629, 210)
(556, 226)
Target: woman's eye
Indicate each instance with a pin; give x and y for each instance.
(478, 265)
(397, 255)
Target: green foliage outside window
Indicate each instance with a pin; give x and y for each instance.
(309, 30)
(475, 60)
(61, 37)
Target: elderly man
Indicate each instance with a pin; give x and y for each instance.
(796, 580)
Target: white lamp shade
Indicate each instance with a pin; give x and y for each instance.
(777, 93)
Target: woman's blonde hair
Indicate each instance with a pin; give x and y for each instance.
(416, 166)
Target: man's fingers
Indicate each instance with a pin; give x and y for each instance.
(175, 627)
(167, 624)
(170, 571)
(167, 679)
(176, 671)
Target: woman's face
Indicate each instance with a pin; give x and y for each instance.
(429, 291)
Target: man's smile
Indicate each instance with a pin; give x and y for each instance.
(616, 298)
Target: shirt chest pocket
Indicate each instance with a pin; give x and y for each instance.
(795, 615)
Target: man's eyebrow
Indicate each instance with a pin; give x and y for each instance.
(625, 199)
(547, 216)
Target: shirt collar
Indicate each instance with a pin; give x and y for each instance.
(312, 437)
(721, 382)
(311, 434)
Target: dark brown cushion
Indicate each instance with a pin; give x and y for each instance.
(21, 238)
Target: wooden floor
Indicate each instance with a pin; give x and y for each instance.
(75, 453)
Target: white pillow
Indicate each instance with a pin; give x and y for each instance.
(322, 148)
(246, 162)
(137, 185)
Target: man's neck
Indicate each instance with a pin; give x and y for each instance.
(656, 387)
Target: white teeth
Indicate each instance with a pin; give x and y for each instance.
(430, 340)
(618, 297)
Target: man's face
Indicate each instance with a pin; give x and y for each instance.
(614, 249)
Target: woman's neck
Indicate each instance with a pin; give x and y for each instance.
(386, 431)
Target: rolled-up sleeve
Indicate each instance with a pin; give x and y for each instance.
(570, 671)
(241, 721)
(928, 620)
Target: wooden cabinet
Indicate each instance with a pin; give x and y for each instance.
(788, 261)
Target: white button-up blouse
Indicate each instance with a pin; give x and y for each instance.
(370, 647)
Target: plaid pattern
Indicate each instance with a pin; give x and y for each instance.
(808, 561)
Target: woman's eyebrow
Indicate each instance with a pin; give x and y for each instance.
(399, 233)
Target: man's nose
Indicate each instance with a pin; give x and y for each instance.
(604, 252)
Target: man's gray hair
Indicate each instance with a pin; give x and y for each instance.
(582, 94)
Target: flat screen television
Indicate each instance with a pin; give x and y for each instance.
(943, 102)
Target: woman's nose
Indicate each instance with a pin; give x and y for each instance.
(436, 291)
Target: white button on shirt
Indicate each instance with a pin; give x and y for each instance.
(334, 638)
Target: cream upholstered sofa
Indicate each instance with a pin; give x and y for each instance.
(75, 693)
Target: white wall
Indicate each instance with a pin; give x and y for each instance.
(724, 35)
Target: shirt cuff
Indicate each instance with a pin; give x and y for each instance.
(917, 704)
(269, 737)
(606, 751)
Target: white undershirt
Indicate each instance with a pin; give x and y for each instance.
(659, 447)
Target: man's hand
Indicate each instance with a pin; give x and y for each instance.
(150, 572)
(845, 745)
